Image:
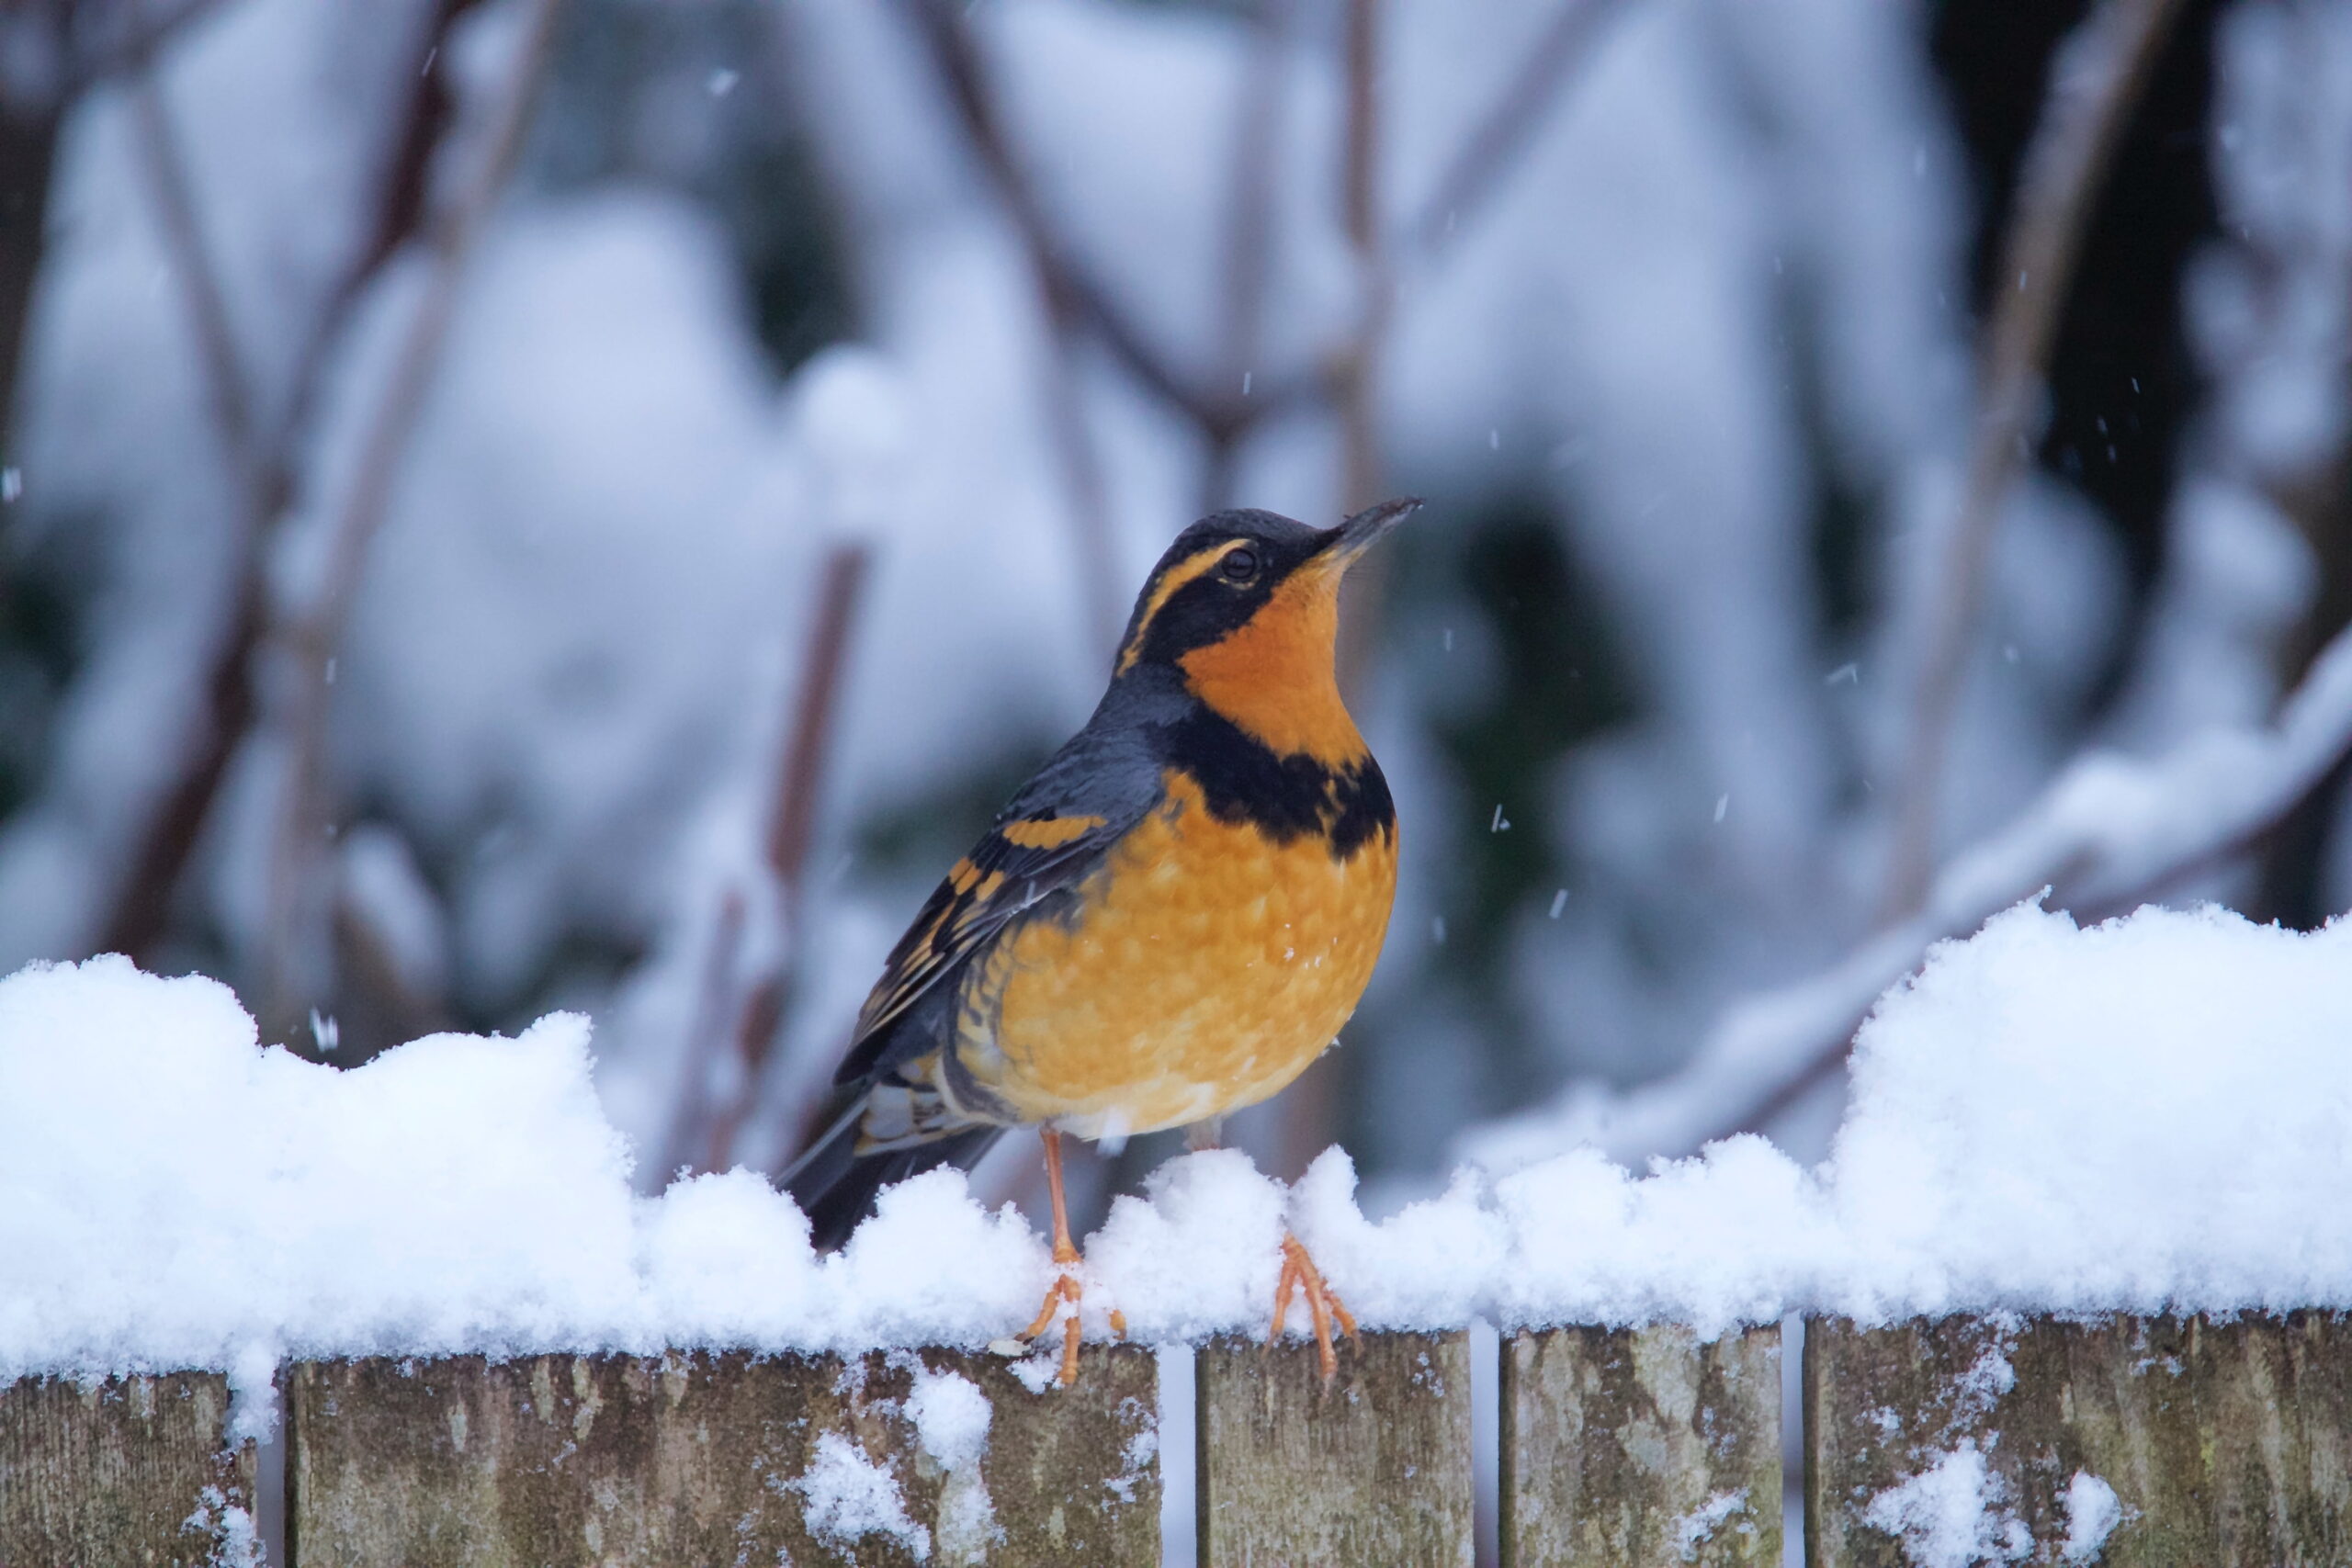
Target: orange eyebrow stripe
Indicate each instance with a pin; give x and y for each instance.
(1050, 833)
(1184, 571)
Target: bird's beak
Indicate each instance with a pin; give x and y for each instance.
(1343, 544)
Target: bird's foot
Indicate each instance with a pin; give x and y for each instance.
(1061, 1303)
(1323, 1304)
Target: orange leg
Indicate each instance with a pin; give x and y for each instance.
(1065, 1288)
(1323, 1302)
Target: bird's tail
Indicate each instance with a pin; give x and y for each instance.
(836, 1186)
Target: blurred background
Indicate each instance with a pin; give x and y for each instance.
(518, 504)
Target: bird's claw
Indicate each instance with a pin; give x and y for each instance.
(1061, 1301)
(1323, 1305)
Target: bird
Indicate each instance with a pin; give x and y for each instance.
(1166, 923)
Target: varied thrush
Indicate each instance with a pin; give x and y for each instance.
(1169, 922)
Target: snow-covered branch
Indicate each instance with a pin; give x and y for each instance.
(2109, 829)
(2097, 82)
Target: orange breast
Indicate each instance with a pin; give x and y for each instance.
(1209, 966)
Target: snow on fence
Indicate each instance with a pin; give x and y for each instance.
(2071, 1279)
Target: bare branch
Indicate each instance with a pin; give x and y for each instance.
(1495, 144)
(109, 41)
(1308, 1112)
(792, 831)
(1357, 373)
(141, 906)
(1503, 137)
(1354, 371)
(2100, 75)
(309, 636)
(228, 399)
(399, 215)
(2108, 833)
(793, 822)
(1087, 494)
(28, 168)
(713, 1001)
(1063, 272)
(1073, 297)
(1249, 231)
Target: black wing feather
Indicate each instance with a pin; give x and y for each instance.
(1096, 789)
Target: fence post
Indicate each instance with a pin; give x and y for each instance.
(132, 1470)
(554, 1461)
(2185, 1441)
(1373, 1470)
(1640, 1447)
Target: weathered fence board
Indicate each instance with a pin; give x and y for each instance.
(2134, 1443)
(1373, 1470)
(557, 1460)
(1634, 1447)
(136, 1472)
(2221, 1443)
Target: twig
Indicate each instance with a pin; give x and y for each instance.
(2099, 77)
(1063, 271)
(801, 768)
(1248, 232)
(227, 398)
(713, 1002)
(138, 30)
(1503, 134)
(1308, 1112)
(400, 211)
(1355, 378)
(141, 906)
(1073, 296)
(1355, 371)
(792, 829)
(1086, 494)
(2107, 833)
(309, 636)
(402, 1009)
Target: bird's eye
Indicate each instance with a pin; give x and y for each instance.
(1240, 566)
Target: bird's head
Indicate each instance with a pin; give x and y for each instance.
(1244, 606)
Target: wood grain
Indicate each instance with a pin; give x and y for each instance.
(557, 1460)
(2225, 1443)
(132, 1471)
(1373, 1470)
(1640, 1447)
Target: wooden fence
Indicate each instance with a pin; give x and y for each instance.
(2221, 1443)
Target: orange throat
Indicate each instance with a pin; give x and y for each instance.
(1273, 676)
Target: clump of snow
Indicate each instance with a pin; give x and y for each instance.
(169, 1194)
(1699, 1526)
(1719, 1240)
(1949, 1516)
(2092, 1513)
(1142, 1448)
(951, 1419)
(951, 1416)
(1200, 1257)
(2128, 1117)
(237, 1539)
(173, 1196)
(1425, 1267)
(1988, 1377)
(848, 1496)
